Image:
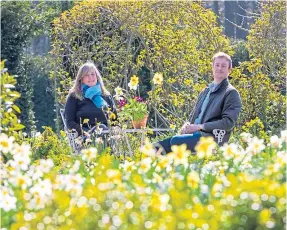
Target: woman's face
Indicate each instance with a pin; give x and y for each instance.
(90, 78)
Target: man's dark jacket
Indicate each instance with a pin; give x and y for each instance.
(222, 110)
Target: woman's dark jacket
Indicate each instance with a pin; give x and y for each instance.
(222, 110)
(76, 111)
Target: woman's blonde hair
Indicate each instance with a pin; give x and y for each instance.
(76, 90)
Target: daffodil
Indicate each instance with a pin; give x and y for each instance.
(148, 149)
(158, 79)
(113, 116)
(89, 154)
(180, 154)
(8, 203)
(255, 146)
(114, 176)
(193, 179)
(6, 143)
(172, 126)
(145, 165)
(245, 137)
(229, 151)
(275, 142)
(133, 84)
(205, 147)
(119, 91)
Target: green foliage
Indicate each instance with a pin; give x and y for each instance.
(177, 39)
(260, 97)
(37, 91)
(241, 53)
(24, 86)
(9, 111)
(255, 127)
(49, 145)
(134, 110)
(267, 41)
(21, 21)
(17, 27)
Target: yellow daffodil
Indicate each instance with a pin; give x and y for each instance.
(133, 84)
(172, 126)
(114, 176)
(148, 149)
(180, 154)
(86, 121)
(193, 179)
(229, 151)
(158, 79)
(112, 116)
(205, 147)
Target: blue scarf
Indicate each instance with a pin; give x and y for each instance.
(94, 93)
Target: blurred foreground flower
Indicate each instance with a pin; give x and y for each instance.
(205, 147)
(275, 142)
(6, 143)
(180, 154)
(89, 154)
(193, 179)
(255, 146)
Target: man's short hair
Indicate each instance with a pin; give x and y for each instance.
(222, 55)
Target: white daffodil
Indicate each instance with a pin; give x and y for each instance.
(89, 154)
(275, 142)
(21, 181)
(20, 162)
(6, 143)
(255, 146)
(46, 165)
(8, 203)
(119, 91)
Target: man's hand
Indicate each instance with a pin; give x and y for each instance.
(190, 128)
(183, 128)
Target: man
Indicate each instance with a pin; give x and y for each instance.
(217, 107)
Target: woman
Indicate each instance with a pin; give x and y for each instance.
(88, 101)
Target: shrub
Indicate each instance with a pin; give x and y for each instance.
(49, 145)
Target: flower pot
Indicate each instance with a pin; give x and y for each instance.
(140, 123)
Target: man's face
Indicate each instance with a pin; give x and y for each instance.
(220, 69)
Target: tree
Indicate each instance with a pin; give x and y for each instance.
(125, 38)
(16, 30)
(20, 23)
(267, 41)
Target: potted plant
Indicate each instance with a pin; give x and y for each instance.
(130, 106)
(136, 110)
